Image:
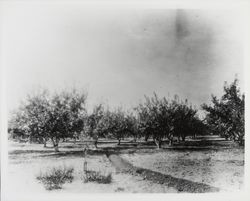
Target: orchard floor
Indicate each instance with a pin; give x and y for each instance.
(206, 162)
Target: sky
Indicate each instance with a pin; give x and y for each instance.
(120, 55)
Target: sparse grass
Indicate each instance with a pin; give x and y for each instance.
(97, 176)
(57, 176)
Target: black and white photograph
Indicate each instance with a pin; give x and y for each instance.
(120, 98)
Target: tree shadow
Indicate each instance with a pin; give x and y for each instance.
(101, 151)
(129, 147)
(17, 152)
(181, 185)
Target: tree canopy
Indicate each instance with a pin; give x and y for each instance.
(51, 116)
(162, 118)
(225, 116)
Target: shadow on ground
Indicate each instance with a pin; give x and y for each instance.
(181, 185)
(68, 149)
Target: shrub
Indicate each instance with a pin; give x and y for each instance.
(97, 176)
(54, 178)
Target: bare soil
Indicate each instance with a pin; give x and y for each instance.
(208, 165)
(223, 169)
(24, 167)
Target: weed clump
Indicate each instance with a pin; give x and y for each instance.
(54, 178)
(97, 176)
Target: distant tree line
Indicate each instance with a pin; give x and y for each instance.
(44, 116)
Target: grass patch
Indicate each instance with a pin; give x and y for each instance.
(57, 176)
(97, 176)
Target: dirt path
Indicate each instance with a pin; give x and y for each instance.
(182, 185)
(121, 165)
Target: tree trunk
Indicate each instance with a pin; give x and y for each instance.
(95, 143)
(30, 139)
(179, 139)
(183, 138)
(44, 142)
(171, 139)
(55, 144)
(158, 143)
(171, 142)
(241, 142)
(56, 148)
(146, 138)
(119, 142)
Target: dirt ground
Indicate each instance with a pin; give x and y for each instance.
(24, 167)
(223, 169)
(208, 165)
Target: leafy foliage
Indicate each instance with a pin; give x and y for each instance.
(155, 118)
(31, 116)
(55, 117)
(113, 124)
(118, 124)
(161, 118)
(94, 123)
(185, 120)
(226, 115)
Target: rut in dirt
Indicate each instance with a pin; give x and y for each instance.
(182, 185)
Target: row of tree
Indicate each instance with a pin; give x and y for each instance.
(58, 116)
(116, 124)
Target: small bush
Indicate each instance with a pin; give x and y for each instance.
(56, 177)
(97, 176)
